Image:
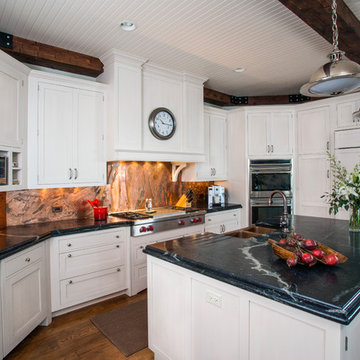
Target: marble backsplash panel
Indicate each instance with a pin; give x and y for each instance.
(130, 183)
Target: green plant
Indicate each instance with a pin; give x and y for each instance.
(345, 192)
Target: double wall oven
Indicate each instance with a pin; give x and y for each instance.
(266, 176)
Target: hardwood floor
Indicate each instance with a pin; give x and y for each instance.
(72, 336)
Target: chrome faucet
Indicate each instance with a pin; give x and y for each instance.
(284, 220)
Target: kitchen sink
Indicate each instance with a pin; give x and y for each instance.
(250, 231)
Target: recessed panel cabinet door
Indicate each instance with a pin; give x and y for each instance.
(89, 165)
(55, 133)
(280, 139)
(217, 150)
(257, 132)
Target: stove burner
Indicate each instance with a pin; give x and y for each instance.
(132, 215)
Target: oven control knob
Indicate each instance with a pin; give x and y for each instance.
(199, 219)
(181, 222)
(143, 229)
(150, 228)
(193, 220)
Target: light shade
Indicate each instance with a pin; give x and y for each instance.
(332, 79)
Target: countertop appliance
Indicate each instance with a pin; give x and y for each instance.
(162, 219)
(3, 170)
(266, 176)
(216, 196)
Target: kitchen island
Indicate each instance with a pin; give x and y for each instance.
(225, 297)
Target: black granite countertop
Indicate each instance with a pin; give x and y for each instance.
(16, 238)
(329, 292)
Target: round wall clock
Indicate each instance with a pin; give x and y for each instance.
(162, 123)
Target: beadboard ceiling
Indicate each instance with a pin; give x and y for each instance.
(205, 37)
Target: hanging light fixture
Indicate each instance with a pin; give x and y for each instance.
(337, 77)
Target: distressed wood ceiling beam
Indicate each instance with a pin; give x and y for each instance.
(36, 53)
(317, 14)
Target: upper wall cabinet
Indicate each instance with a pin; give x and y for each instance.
(65, 132)
(270, 133)
(344, 111)
(215, 165)
(136, 89)
(313, 130)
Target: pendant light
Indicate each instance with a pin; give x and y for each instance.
(337, 77)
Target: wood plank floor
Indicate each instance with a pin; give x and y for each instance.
(72, 336)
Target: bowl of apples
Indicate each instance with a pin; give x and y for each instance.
(295, 249)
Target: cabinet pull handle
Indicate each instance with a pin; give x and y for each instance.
(76, 173)
(118, 269)
(234, 214)
(27, 259)
(328, 145)
(69, 244)
(69, 255)
(117, 236)
(70, 174)
(328, 174)
(268, 148)
(70, 281)
(208, 219)
(141, 247)
(272, 148)
(214, 171)
(117, 246)
(224, 228)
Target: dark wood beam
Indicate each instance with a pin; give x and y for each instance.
(36, 53)
(317, 14)
(221, 99)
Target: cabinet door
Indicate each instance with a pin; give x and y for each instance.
(23, 303)
(10, 102)
(312, 181)
(257, 133)
(313, 131)
(344, 113)
(217, 146)
(203, 171)
(280, 133)
(89, 161)
(55, 134)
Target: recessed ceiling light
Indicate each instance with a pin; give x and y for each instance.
(127, 25)
(239, 69)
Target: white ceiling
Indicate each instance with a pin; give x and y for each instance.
(205, 37)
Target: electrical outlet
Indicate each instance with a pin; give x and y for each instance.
(214, 299)
(57, 209)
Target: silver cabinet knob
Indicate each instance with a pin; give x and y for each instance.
(141, 247)
(69, 244)
(117, 236)
(70, 282)
(27, 259)
(117, 246)
(118, 269)
(69, 255)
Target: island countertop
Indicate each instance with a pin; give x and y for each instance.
(332, 292)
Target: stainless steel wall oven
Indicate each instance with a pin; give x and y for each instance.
(265, 176)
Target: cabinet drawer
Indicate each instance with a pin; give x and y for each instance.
(23, 259)
(87, 261)
(88, 287)
(222, 217)
(88, 240)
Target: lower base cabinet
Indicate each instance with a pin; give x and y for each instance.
(222, 221)
(23, 294)
(88, 266)
(194, 317)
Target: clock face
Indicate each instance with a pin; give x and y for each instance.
(162, 123)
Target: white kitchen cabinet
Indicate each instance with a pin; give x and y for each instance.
(23, 294)
(88, 266)
(203, 318)
(313, 130)
(344, 111)
(270, 133)
(222, 221)
(215, 166)
(66, 132)
(311, 182)
(138, 258)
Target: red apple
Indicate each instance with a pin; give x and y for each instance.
(318, 253)
(309, 244)
(307, 258)
(282, 242)
(331, 259)
(291, 262)
(297, 237)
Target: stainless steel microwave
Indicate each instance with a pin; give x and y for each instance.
(3, 170)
